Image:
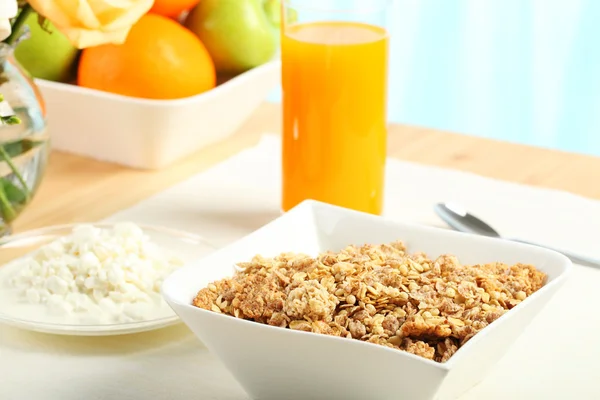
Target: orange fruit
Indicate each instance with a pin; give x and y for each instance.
(160, 59)
(172, 8)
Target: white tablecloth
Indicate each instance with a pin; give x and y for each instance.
(556, 358)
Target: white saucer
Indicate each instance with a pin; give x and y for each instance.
(189, 247)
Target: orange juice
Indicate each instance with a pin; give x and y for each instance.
(334, 114)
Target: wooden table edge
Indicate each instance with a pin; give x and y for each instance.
(79, 189)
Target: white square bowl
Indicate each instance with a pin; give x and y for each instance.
(275, 363)
(152, 134)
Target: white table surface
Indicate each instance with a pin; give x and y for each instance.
(555, 358)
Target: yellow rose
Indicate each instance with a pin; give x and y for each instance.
(8, 10)
(90, 23)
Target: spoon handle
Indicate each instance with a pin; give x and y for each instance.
(576, 258)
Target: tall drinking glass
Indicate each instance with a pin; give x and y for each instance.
(334, 79)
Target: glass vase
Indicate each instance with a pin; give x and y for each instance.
(24, 147)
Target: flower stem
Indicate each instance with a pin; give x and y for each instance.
(15, 171)
(18, 24)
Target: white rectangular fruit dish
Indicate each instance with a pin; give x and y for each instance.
(275, 363)
(151, 134)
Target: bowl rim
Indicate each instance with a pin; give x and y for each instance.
(5, 242)
(237, 80)
(103, 224)
(312, 204)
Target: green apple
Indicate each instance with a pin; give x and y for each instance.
(239, 34)
(47, 54)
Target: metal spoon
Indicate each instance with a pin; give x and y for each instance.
(459, 219)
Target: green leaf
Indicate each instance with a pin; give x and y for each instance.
(6, 209)
(14, 194)
(14, 149)
(11, 120)
(32, 144)
(4, 153)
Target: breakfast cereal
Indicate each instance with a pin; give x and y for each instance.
(375, 293)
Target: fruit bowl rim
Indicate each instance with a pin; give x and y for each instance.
(204, 96)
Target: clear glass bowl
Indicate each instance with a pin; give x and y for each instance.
(186, 246)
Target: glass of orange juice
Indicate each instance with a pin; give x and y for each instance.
(334, 81)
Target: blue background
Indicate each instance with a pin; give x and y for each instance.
(525, 71)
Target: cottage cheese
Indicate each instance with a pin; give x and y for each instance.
(96, 275)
